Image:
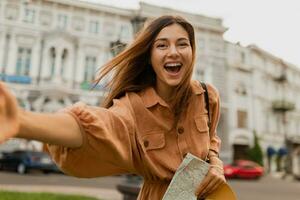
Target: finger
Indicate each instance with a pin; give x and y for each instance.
(204, 184)
(214, 182)
(213, 187)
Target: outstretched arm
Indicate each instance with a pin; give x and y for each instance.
(59, 128)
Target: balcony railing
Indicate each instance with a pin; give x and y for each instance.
(282, 78)
(16, 79)
(283, 105)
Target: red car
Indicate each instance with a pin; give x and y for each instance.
(243, 169)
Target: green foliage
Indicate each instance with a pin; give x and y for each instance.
(8, 195)
(255, 153)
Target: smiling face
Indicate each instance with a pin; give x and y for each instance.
(171, 57)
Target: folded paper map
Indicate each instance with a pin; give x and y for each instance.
(187, 178)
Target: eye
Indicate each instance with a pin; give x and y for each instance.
(161, 46)
(183, 44)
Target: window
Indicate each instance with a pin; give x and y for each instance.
(241, 88)
(94, 26)
(78, 23)
(23, 61)
(11, 11)
(29, 15)
(45, 18)
(63, 61)
(242, 118)
(62, 21)
(90, 68)
(109, 28)
(52, 55)
(243, 57)
(124, 31)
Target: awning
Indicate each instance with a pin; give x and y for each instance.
(282, 151)
(271, 151)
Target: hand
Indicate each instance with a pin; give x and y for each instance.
(9, 120)
(214, 178)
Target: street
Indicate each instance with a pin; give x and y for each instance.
(267, 188)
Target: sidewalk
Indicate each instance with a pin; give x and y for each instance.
(103, 194)
(282, 175)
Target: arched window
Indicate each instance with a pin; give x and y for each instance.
(52, 60)
(63, 61)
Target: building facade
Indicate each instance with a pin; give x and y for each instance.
(50, 51)
(264, 99)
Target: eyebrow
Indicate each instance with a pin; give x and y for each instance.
(166, 39)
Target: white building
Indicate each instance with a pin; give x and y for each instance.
(50, 51)
(264, 98)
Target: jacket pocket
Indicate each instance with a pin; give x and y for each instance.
(201, 124)
(153, 141)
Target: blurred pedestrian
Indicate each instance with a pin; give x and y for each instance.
(153, 115)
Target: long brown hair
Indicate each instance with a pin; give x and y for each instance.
(132, 71)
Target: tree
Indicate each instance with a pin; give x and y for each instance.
(255, 153)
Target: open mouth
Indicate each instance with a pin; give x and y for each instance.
(173, 67)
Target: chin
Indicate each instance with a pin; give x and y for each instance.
(173, 83)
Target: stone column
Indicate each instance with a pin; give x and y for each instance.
(70, 67)
(57, 75)
(36, 54)
(80, 65)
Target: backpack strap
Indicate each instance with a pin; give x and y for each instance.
(208, 113)
(206, 101)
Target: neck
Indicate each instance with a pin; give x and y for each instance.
(166, 93)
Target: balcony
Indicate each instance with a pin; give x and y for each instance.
(281, 79)
(282, 106)
(241, 66)
(15, 79)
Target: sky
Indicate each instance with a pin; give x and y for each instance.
(273, 25)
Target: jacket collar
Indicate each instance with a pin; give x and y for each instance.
(151, 98)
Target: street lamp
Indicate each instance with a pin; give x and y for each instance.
(116, 47)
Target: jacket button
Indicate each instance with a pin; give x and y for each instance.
(180, 130)
(146, 143)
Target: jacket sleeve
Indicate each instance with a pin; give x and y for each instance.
(108, 135)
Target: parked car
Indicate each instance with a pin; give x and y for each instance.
(23, 161)
(245, 169)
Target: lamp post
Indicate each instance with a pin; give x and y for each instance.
(116, 47)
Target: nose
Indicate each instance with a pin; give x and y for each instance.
(173, 51)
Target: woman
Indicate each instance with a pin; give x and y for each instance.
(153, 115)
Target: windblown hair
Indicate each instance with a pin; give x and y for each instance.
(132, 71)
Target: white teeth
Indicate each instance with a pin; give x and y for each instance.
(173, 65)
